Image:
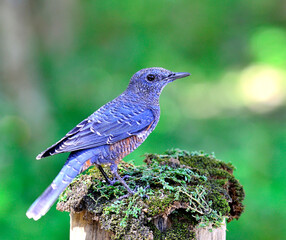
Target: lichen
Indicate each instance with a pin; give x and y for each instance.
(190, 189)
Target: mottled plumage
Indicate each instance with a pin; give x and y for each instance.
(109, 134)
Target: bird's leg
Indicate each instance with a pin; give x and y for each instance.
(113, 169)
(107, 179)
(104, 174)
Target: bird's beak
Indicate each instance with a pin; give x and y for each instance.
(177, 75)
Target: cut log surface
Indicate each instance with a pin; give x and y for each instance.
(83, 227)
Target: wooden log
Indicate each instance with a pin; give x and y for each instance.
(211, 233)
(84, 227)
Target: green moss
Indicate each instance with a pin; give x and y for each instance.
(182, 227)
(157, 205)
(199, 187)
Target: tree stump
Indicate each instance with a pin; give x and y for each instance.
(189, 196)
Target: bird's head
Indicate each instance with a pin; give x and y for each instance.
(149, 82)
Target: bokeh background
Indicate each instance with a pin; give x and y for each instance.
(61, 60)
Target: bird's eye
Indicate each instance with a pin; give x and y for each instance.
(150, 77)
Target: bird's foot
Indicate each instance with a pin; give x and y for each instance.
(114, 172)
(124, 196)
(114, 180)
(138, 190)
(126, 177)
(142, 191)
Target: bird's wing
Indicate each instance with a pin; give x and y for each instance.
(106, 126)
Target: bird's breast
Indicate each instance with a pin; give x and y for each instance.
(124, 147)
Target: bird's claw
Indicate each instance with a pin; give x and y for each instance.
(114, 180)
(124, 196)
(144, 189)
(134, 192)
(126, 177)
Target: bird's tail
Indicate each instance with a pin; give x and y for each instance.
(70, 170)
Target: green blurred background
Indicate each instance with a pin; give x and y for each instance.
(62, 60)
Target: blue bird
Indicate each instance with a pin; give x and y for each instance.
(109, 134)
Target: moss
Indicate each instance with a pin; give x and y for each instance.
(158, 205)
(189, 189)
(182, 227)
(180, 230)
